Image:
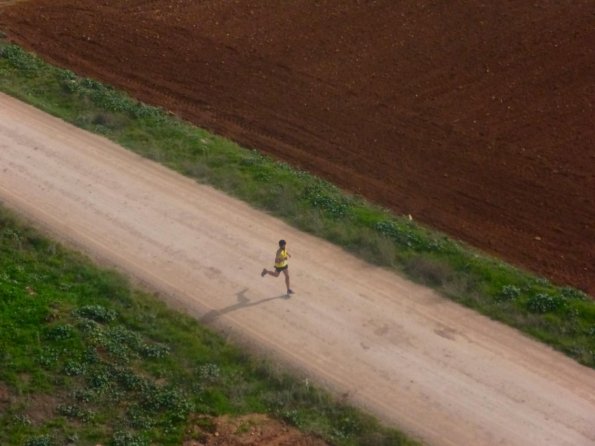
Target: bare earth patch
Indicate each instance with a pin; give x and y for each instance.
(247, 430)
(41, 408)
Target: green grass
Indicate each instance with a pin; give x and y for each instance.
(88, 359)
(562, 317)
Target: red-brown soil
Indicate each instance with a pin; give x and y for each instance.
(248, 430)
(474, 117)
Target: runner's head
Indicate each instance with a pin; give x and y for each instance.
(282, 243)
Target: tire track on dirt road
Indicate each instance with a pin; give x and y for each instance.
(438, 371)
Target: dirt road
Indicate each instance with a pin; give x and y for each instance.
(437, 370)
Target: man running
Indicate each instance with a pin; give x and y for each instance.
(280, 265)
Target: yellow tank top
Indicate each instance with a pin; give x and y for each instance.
(282, 256)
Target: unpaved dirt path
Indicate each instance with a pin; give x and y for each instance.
(437, 370)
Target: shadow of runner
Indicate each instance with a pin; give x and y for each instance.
(243, 302)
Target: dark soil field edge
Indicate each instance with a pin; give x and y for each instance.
(476, 119)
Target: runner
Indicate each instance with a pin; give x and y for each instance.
(280, 265)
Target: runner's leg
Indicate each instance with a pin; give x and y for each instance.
(286, 272)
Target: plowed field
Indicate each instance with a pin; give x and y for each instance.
(474, 117)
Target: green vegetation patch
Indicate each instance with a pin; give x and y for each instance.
(560, 316)
(87, 359)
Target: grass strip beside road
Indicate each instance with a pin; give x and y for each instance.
(87, 359)
(562, 317)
